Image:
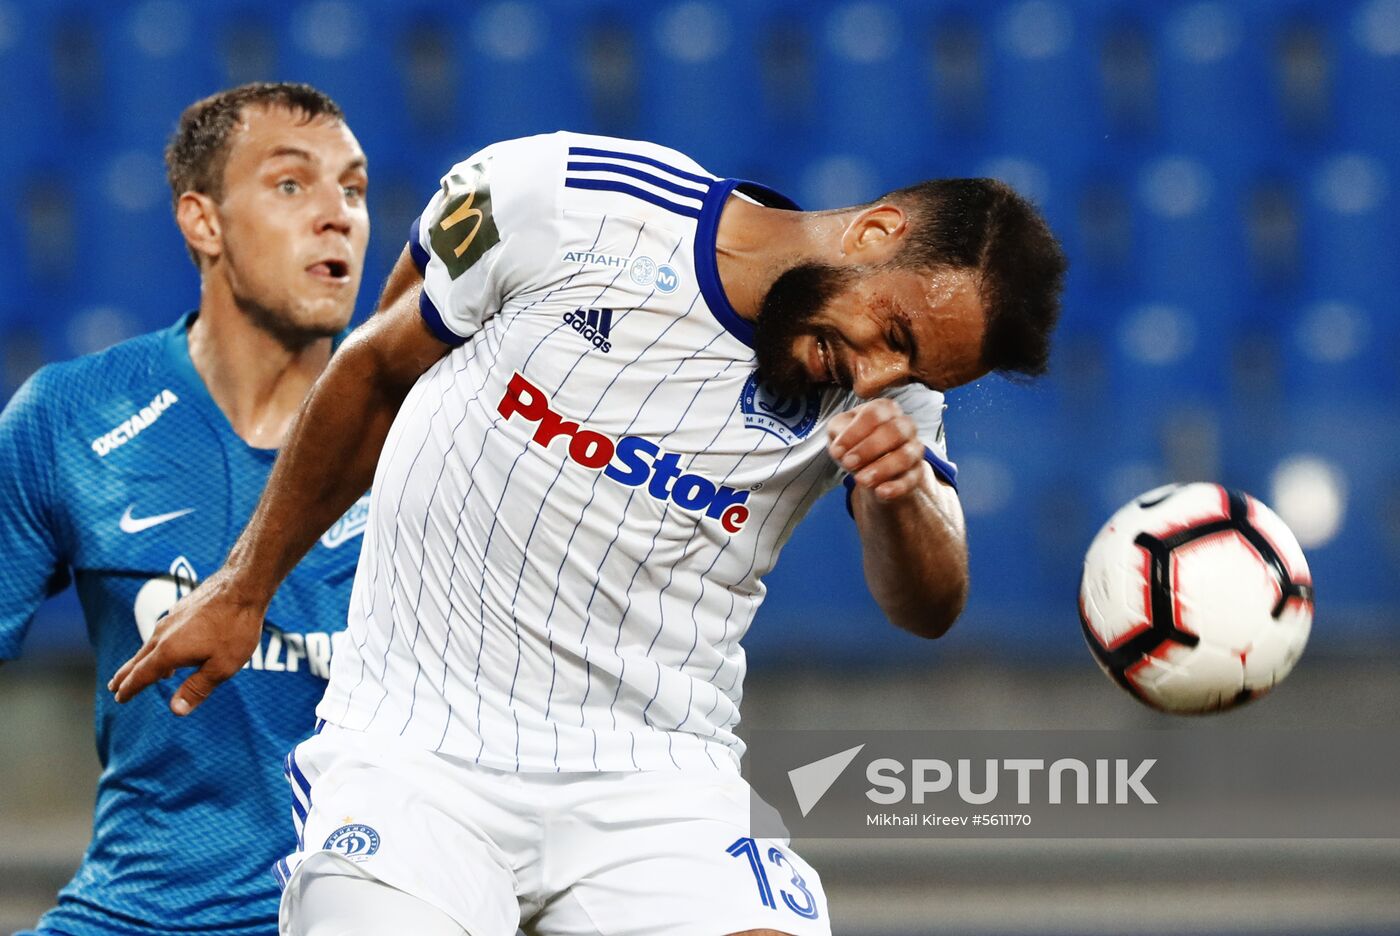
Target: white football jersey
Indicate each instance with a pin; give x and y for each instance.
(575, 508)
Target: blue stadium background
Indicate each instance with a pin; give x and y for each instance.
(1223, 176)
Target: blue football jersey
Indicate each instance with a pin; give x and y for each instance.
(119, 474)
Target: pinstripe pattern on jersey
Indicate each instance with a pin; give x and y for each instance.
(622, 619)
(437, 481)
(546, 617)
(593, 592)
(439, 385)
(476, 396)
(820, 483)
(617, 530)
(695, 620)
(645, 714)
(370, 538)
(506, 486)
(548, 623)
(415, 401)
(394, 582)
(729, 637)
(492, 339)
(554, 601)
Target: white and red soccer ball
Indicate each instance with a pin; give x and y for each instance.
(1195, 598)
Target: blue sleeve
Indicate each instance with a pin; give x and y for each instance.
(31, 561)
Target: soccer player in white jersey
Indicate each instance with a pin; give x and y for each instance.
(603, 387)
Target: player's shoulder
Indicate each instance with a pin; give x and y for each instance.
(926, 407)
(555, 150)
(914, 399)
(64, 390)
(582, 147)
(99, 374)
(648, 181)
(567, 172)
(912, 396)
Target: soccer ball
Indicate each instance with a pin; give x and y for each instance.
(1195, 599)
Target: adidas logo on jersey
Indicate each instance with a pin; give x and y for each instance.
(640, 463)
(593, 324)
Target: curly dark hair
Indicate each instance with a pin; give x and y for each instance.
(198, 150)
(985, 225)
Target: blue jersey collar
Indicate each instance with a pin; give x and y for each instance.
(177, 354)
(707, 260)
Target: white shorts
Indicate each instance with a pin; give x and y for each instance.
(569, 854)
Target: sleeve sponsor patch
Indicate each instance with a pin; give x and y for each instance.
(464, 230)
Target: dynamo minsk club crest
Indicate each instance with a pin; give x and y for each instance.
(356, 842)
(789, 418)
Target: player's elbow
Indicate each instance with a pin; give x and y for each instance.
(934, 610)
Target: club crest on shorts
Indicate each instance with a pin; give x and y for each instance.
(356, 841)
(789, 418)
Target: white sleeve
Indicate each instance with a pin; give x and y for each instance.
(926, 408)
(487, 234)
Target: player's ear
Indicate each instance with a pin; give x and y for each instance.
(198, 218)
(875, 234)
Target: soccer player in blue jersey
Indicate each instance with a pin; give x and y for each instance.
(130, 472)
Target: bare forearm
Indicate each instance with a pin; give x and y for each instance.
(915, 555)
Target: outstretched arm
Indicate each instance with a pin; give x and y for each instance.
(327, 463)
(911, 524)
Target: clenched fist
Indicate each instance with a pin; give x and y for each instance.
(878, 444)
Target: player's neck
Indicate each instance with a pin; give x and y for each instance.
(255, 377)
(755, 245)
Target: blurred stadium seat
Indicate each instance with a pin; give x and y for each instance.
(155, 64)
(859, 47)
(1044, 54)
(1367, 36)
(1214, 76)
(1341, 505)
(696, 61)
(526, 68)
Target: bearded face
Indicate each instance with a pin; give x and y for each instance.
(787, 314)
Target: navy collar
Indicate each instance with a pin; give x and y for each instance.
(706, 259)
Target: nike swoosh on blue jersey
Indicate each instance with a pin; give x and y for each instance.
(130, 524)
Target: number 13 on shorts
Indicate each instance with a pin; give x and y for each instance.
(798, 899)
